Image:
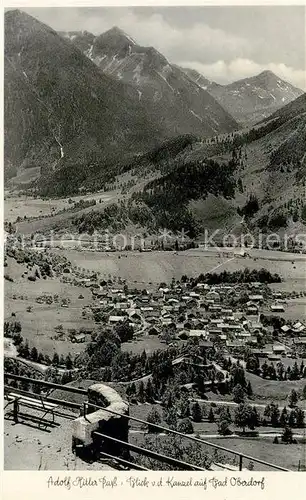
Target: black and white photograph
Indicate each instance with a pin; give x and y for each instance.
(154, 249)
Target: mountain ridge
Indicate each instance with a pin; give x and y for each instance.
(60, 108)
(180, 103)
(253, 98)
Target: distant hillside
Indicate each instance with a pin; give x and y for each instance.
(291, 153)
(165, 201)
(178, 103)
(251, 99)
(236, 183)
(291, 110)
(271, 169)
(61, 112)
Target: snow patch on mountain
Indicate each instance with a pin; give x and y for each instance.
(195, 114)
(165, 80)
(88, 53)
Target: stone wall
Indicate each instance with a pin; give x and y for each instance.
(102, 421)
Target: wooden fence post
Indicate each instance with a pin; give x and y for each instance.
(15, 410)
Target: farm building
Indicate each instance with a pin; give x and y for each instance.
(277, 308)
(286, 328)
(298, 327)
(116, 319)
(79, 338)
(278, 349)
(256, 297)
(197, 333)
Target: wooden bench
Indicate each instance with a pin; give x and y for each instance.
(37, 404)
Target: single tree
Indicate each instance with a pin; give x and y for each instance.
(204, 411)
(283, 421)
(229, 415)
(211, 416)
(34, 354)
(170, 418)
(254, 418)
(238, 394)
(196, 412)
(224, 415)
(272, 372)
(295, 372)
(141, 392)
(25, 385)
(274, 415)
(223, 427)
(55, 359)
(265, 370)
(287, 436)
(40, 358)
(185, 426)
(249, 390)
(153, 418)
(149, 393)
(292, 418)
(300, 417)
(68, 362)
(243, 416)
(280, 369)
(133, 389)
(183, 406)
(36, 388)
(25, 351)
(238, 375)
(293, 398)
(48, 360)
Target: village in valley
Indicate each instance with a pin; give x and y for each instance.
(154, 239)
(189, 354)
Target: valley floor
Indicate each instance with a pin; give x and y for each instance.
(145, 268)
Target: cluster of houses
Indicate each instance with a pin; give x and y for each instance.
(204, 311)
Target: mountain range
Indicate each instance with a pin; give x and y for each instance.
(251, 99)
(81, 110)
(61, 110)
(248, 100)
(181, 104)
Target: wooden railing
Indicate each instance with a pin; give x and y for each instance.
(132, 447)
(194, 439)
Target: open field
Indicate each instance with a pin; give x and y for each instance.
(285, 455)
(147, 343)
(45, 224)
(47, 209)
(15, 206)
(295, 309)
(156, 267)
(273, 390)
(38, 325)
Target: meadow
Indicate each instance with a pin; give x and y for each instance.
(38, 324)
(156, 267)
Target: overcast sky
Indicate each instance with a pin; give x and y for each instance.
(223, 43)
